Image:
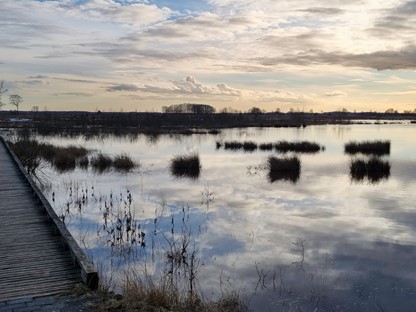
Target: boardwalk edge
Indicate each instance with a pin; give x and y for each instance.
(89, 274)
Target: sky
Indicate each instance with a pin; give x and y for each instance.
(140, 55)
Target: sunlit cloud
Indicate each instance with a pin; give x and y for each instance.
(147, 47)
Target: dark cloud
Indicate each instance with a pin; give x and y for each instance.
(323, 11)
(123, 87)
(379, 60)
(396, 22)
(78, 94)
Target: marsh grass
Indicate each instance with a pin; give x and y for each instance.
(124, 163)
(298, 147)
(378, 148)
(186, 166)
(101, 162)
(148, 294)
(233, 145)
(249, 146)
(266, 146)
(284, 169)
(374, 170)
(281, 146)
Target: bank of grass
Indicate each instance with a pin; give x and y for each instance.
(378, 147)
(284, 169)
(186, 166)
(148, 295)
(67, 158)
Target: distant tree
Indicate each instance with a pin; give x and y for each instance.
(255, 110)
(189, 108)
(391, 111)
(35, 109)
(344, 110)
(15, 100)
(2, 91)
(277, 110)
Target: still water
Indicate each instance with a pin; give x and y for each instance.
(327, 242)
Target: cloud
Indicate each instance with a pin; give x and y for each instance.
(77, 94)
(379, 60)
(125, 12)
(399, 22)
(123, 87)
(335, 94)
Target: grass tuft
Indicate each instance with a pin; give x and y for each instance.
(186, 166)
(101, 162)
(124, 163)
(284, 169)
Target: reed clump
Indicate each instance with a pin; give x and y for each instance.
(124, 163)
(298, 147)
(146, 294)
(186, 166)
(284, 169)
(266, 146)
(377, 147)
(249, 146)
(101, 162)
(233, 145)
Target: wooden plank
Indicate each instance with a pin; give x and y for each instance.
(33, 260)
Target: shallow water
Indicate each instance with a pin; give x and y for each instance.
(325, 242)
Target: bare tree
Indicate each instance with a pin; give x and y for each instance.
(2, 91)
(15, 100)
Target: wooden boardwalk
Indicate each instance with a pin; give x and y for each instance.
(38, 256)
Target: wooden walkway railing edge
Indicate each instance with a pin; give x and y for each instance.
(89, 274)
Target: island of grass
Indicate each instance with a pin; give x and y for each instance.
(186, 166)
(298, 147)
(281, 146)
(284, 169)
(377, 147)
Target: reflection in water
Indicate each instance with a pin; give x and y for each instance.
(374, 170)
(306, 246)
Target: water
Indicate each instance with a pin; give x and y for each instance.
(325, 242)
